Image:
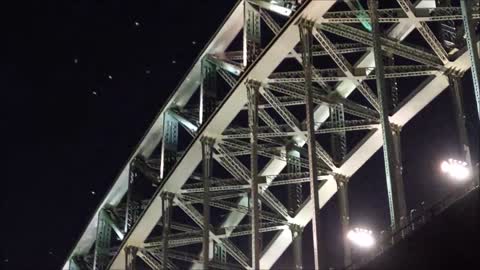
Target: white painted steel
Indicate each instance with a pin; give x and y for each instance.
(217, 45)
(410, 107)
(344, 88)
(234, 103)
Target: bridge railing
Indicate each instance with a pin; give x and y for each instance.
(416, 219)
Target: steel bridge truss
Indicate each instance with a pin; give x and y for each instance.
(274, 134)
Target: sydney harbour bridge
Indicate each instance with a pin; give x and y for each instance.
(285, 103)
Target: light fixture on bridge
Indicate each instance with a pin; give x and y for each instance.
(456, 169)
(361, 237)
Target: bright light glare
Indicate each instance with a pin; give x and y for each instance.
(361, 237)
(456, 169)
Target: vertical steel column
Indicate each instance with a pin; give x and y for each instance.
(392, 83)
(167, 202)
(130, 255)
(208, 90)
(398, 173)
(339, 151)
(342, 193)
(456, 88)
(133, 205)
(471, 36)
(102, 242)
(169, 144)
(207, 147)
(251, 34)
(339, 139)
(306, 40)
(295, 199)
(253, 96)
(396, 200)
(219, 253)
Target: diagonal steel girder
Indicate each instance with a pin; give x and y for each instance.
(389, 44)
(423, 95)
(197, 217)
(270, 58)
(396, 15)
(217, 124)
(238, 170)
(226, 33)
(424, 30)
(332, 99)
(294, 124)
(345, 66)
(344, 88)
(294, 54)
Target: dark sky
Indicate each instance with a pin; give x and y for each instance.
(83, 81)
(64, 141)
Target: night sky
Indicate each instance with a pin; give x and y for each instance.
(82, 82)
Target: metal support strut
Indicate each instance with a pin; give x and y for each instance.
(295, 199)
(339, 150)
(251, 34)
(339, 139)
(102, 243)
(169, 144)
(167, 204)
(207, 147)
(306, 40)
(208, 90)
(133, 204)
(130, 255)
(396, 200)
(342, 185)
(253, 96)
(472, 40)
(456, 88)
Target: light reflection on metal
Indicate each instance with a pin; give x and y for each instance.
(184, 157)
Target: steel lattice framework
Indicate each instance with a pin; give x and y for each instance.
(232, 136)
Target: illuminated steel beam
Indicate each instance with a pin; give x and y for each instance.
(397, 15)
(253, 96)
(207, 148)
(343, 205)
(102, 243)
(396, 197)
(294, 54)
(346, 68)
(295, 199)
(167, 205)
(259, 70)
(251, 34)
(208, 90)
(457, 100)
(229, 246)
(169, 145)
(472, 44)
(388, 44)
(306, 39)
(424, 30)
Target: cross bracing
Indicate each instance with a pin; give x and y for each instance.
(279, 129)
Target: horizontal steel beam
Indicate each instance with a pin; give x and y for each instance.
(405, 112)
(270, 58)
